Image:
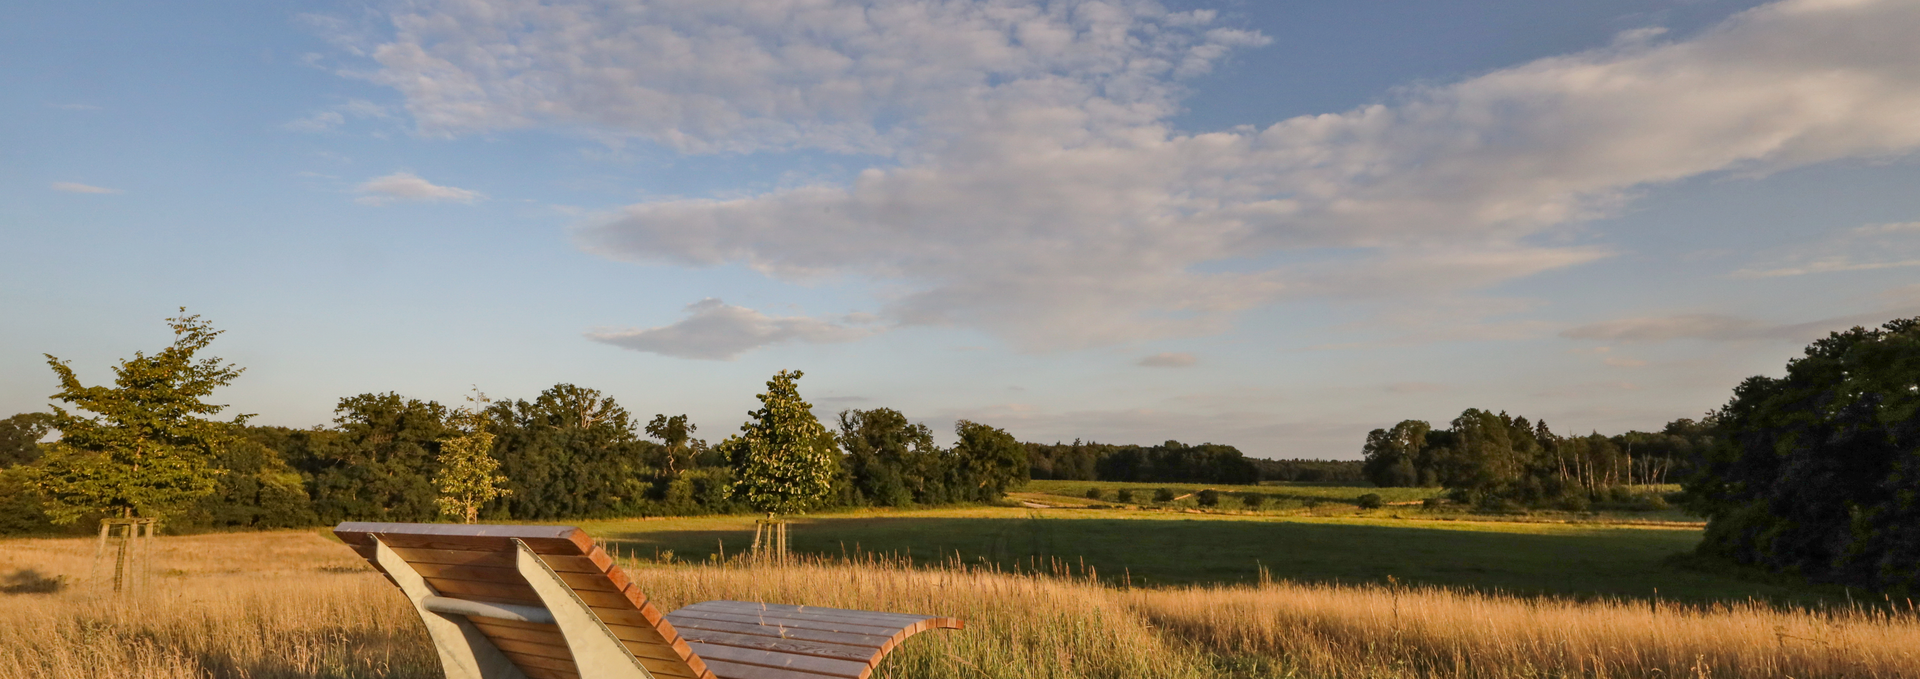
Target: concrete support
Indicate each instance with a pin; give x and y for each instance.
(465, 653)
(597, 653)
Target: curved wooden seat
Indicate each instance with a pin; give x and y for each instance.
(546, 602)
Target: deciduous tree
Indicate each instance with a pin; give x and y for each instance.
(147, 448)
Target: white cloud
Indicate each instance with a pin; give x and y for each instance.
(1032, 187)
(318, 122)
(1169, 360)
(406, 186)
(1863, 248)
(322, 121)
(715, 330)
(74, 187)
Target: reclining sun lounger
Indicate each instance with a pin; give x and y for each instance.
(546, 602)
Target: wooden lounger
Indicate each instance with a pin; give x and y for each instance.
(545, 602)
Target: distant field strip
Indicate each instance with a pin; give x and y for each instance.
(296, 605)
(1159, 548)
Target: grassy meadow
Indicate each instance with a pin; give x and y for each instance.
(296, 604)
(1174, 547)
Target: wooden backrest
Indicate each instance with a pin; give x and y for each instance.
(476, 563)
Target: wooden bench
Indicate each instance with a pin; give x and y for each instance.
(546, 602)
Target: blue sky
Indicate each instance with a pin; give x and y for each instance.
(1275, 224)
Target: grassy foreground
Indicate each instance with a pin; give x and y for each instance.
(296, 605)
(1159, 548)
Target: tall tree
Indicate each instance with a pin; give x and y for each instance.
(20, 438)
(468, 475)
(678, 448)
(1817, 473)
(378, 461)
(783, 459)
(147, 448)
(570, 452)
(986, 461)
(889, 457)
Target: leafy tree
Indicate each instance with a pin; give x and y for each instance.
(1818, 472)
(986, 462)
(259, 488)
(20, 438)
(378, 461)
(679, 448)
(783, 459)
(147, 449)
(468, 475)
(570, 452)
(1392, 454)
(892, 461)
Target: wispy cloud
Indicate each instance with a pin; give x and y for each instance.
(715, 330)
(406, 186)
(1862, 248)
(75, 187)
(1029, 182)
(334, 117)
(1169, 360)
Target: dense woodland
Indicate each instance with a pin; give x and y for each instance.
(1499, 459)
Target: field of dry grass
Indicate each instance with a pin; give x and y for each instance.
(295, 604)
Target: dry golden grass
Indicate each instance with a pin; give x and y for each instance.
(261, 605)
(1382, 631)
(294, 604)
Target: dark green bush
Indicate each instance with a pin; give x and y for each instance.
(1253, 500)
(1125, 495)
(1208, 498)
(1369, 501)
(1163, 495)
(1093, 493)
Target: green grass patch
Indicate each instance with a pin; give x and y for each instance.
(1153, 548)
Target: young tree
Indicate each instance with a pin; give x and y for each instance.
(783, 458)
(678, 447)
(146, 450)
(467, 477)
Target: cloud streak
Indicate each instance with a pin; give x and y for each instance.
(75, 187)
(714, 330)
(408, 187)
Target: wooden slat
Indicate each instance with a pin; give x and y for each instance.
(544, 636)
(500, 559)
(581, 582)
(526, 661)
(787, 661)
(732, 670)
(798, 623)
(901, 619)
(693, 629)
(861, 654)
(545, 673)
(534, 648)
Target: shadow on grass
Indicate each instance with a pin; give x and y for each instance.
(1631, 564)
(29, 581)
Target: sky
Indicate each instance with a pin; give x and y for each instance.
(1275, 225)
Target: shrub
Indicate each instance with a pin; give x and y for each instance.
(1209, 498)
(1576, 502)
(1433, 502)
(1369, 501)
(1093, 493)
(1125, 495)
(1163, 495)
(1253, 500)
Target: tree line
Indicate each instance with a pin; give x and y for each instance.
(147, 446)
(1496, 458)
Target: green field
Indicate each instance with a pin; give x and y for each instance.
(1148, 548)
